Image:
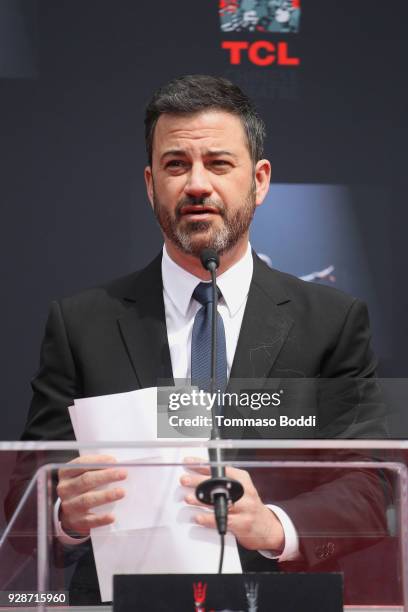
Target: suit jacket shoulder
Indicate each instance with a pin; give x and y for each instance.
(293, 328)
(117, 293)
(286, 287)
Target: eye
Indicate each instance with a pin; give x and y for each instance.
(175, 163)
(220, 164)
(174, 167)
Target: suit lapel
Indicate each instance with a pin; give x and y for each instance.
(143, 328)
(264, 327)
(263, 333)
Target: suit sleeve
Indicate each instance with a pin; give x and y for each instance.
(55, 386)
(352, 355)
(347, 509)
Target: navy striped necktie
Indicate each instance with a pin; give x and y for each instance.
(201, 343)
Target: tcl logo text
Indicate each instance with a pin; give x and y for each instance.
(260, 53)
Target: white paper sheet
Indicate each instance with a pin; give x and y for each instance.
(154, 530)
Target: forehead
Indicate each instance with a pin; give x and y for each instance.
(207, 129)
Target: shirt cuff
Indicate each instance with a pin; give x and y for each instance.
(291, 550)
(63, 537)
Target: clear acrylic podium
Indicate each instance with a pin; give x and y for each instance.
(346, 499)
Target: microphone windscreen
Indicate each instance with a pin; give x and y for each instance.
(207, 256)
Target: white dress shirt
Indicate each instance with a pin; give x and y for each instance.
(180, 310)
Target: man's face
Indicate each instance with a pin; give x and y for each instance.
(202, 183)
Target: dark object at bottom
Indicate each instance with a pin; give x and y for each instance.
(232, 592)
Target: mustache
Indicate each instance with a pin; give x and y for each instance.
(192, 201)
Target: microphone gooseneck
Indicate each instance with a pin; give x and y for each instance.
(217, 490)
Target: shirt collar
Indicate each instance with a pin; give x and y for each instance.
(233, 283)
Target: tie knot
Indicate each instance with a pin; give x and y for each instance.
(203, 293)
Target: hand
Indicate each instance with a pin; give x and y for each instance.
(254, 525)
(76, 489)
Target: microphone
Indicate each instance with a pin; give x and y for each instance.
(217, 490)
(209, 259)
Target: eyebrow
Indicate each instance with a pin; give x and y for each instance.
(216, 152)
(208, 153)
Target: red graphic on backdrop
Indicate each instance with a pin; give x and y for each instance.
(228, 6)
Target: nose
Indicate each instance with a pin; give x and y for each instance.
(198, 184)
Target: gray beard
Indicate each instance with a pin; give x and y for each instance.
(222, 240)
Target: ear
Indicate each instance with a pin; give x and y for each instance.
(149, 183)
(262, 180)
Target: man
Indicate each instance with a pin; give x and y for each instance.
(205, 177)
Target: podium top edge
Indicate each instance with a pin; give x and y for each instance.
(60, 445)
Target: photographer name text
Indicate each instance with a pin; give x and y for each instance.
(206, 421)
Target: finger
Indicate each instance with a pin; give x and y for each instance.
(241, 475)
(69, 472)
(192, 500)
(206, 520)
(81, 504)
(82, 525)
(89, 480)
(96, 520)
(192, 480)
(197, 464)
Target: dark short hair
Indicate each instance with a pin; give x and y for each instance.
(191, 94)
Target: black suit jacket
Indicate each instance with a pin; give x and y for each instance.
(113, 339)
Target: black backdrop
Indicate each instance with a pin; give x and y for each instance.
(74, 78)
